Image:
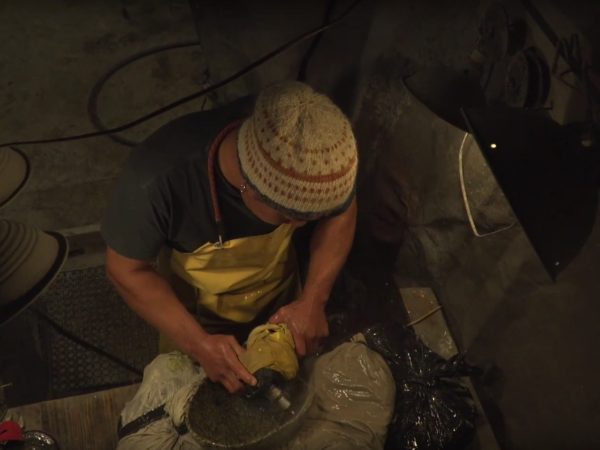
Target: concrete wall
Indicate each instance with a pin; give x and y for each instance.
(238, 32)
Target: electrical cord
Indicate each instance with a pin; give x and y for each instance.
(570, 51)
(66, 333)
(268, 56)
(463, 190)
(92, 106)
(418, 320)
(315, 43)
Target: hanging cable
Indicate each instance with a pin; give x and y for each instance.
(302, 72)
(278, 50)
(92, 106)
(463, 190)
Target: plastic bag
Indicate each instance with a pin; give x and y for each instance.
(354, 400)
(157, 412)
(434, 411)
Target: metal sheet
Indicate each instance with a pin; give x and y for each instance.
(549, 180)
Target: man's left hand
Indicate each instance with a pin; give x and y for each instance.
(306, 321)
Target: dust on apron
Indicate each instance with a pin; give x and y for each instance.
(236, 279)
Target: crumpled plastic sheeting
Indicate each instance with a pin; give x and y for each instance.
(354, 400)
(353, 403)
(170, 379)
(165, 375)
(434, 411)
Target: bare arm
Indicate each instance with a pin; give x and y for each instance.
(329, 248)
(151, 296)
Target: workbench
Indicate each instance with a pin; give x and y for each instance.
(82, 422)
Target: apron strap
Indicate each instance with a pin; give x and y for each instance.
(212, 156)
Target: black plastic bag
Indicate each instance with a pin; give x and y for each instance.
(434, 411)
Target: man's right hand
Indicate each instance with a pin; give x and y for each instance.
(218, 355)
(153, 298)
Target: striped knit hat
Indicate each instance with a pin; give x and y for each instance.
(298, 151)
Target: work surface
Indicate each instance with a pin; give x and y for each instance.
(89, 422)
(82, 422)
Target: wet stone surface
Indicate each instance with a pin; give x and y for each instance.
(234, 421)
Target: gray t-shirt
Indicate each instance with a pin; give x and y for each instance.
(163, 198)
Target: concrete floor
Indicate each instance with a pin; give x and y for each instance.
(52, 54)
(538, 339)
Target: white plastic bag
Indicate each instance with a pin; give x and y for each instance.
(169, 380)
(354, 400)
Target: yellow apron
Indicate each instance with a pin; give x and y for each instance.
(240, 278)
(237, 279)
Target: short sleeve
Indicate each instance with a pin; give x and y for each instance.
(134, 223)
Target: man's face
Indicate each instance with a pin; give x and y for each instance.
(267, 213)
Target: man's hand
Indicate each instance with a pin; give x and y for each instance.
(307, 322)
(218, 355)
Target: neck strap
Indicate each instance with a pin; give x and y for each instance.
(212, 160)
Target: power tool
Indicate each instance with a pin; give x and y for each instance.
(271, 357)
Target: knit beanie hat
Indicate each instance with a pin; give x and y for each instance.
(297, 150)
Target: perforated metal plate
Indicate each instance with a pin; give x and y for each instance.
(85, 303)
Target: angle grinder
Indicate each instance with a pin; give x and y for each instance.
(271, 357)
(280, 400)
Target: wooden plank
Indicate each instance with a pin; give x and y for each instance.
(80, 422)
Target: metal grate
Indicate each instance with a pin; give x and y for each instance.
(85, 303)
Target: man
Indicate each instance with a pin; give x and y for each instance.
(223, 193)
